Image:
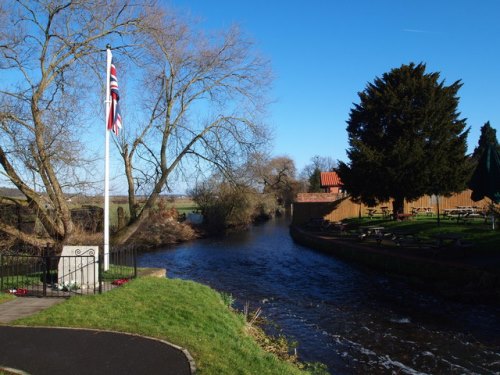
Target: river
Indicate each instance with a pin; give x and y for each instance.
(354, 320)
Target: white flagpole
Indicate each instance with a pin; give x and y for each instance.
(106, 161)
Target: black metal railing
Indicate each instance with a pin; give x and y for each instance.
(21, 274)
(122, 267)
(48, 276)
(63, 276)
(77, 274)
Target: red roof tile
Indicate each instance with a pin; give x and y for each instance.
(330, 179)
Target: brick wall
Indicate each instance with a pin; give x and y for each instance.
(317, 197)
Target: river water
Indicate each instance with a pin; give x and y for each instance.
(354, 320)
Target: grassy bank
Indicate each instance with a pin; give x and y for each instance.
(484, 239)
(186, 313)
(5, 297)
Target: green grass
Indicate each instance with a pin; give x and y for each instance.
(186, 313)
(478, 232)
(117, 272)
(20, 281)
(4, 297)
(184, 205)
(113, 212)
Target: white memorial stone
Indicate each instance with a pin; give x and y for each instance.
(78, 267)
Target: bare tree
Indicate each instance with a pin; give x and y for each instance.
(321, 163)
(203, 97)
(310, 175)
(275, 175)
(47, 51)
(225, 205)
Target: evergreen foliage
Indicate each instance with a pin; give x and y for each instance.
(488, 136)
(310, 176)
(315, 181)
(406, 139)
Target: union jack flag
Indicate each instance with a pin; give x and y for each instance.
(115, 118)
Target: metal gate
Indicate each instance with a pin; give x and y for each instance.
(64, 276)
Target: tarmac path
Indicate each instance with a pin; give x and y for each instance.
(57, 351)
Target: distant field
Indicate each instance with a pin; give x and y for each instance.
(183, 205)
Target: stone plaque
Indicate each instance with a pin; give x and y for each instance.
(78, 268)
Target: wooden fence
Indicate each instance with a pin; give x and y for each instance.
(344, 208)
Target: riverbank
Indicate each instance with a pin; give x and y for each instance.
(451, 273)
(189, 314)
(346, 316)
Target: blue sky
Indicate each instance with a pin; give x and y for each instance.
(324, 52)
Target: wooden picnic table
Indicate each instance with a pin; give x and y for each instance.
(469, 209)
(385, 212)
(429, 211)
(422, 210)
(462, 213)
(372, 231)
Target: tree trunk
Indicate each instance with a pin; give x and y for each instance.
(46, 170)
(132, 206)
(125, 233)
(122, 236)
(30, 239)
(397, 207)
(438, 214)
(54, 230)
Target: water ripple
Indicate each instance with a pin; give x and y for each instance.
(354, 320)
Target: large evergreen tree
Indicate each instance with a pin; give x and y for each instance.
(315, 181)
(406, 139)
(488, 136)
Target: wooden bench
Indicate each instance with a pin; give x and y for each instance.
(372, 212)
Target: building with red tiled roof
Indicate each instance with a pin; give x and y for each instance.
(330, 182)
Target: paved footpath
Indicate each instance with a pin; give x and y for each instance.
(54, 351)
(22, 307)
